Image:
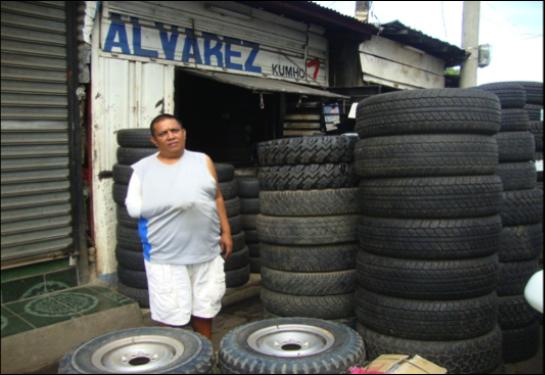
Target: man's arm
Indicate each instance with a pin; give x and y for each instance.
(133, 201)
(226, 241)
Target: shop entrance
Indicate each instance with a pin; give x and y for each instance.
(225, 121)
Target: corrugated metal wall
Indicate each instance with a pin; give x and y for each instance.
(35, 198)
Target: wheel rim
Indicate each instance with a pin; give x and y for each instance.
(137, 354)
(291, 340)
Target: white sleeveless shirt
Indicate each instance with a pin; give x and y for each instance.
(176, 206)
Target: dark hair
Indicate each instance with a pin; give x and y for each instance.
(162, 117)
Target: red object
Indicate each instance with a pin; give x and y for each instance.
(361, 370)
(314, 64)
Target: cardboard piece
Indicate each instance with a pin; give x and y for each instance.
(402, 364)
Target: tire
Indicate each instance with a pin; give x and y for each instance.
(251, 206)
(513, 277)
(536, 128)
(225, 172)
(522, 207)
(232, 206)
(132, 278)
(130, 259)
(188, 353)
(349, 321)
(122, 173)
(236, 224)
(237, 356)
(248, 187)
(239, 241)
(322, 307)
(128, 238)
(139, 295)
(520, 242)
(428, 111)
(511, 94)
(427, 320)
(534, 111)
(514, 119)
(124, 219)
(238, 259)
(515, 312)
(306, 177)
(229, 189)
(520, 344)
(515, 146)
(478, 355)
(134, 138)
(309, 283)
(285, 230)
(517, 176)
(534, 91)
(318, 258)
(237, 277)
(310, 202)
(248, 221)
(306, 150)
(428, 279)
(431, 197)
(119, 193)
(251, 236)
(426, 156)
(430, 239)
(129, 156)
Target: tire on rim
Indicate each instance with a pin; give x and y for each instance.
(143, 350)
(292, 346)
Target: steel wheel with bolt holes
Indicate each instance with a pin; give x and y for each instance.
(290, 346)
(141, 350)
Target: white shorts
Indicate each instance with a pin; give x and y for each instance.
(177, 292)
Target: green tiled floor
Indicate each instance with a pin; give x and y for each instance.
(51, 308)
(27, 287)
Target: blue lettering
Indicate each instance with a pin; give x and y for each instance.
(191, 44)
(169, 44)
(117, 27)
(210, 51)
(230, 53)
(137, 41)
(248, 65)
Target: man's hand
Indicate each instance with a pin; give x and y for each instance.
(226, 243)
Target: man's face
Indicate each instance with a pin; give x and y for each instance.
(169, 137)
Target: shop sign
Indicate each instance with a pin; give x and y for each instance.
(206, 50)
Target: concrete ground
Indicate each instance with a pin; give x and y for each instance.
(251, 309)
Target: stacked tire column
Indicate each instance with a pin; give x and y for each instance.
(427, 265)
(534, 108)
(237, 267)
(134, 145)
(521, 212)
(248, 191)
(307, 227)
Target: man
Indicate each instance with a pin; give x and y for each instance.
(183, 227)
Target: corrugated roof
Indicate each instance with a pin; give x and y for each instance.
(263, 84)
(308, 11)
(401, 33)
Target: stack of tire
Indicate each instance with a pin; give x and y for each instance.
(237, 267)
(427, 266)
(534, 108)
(134, 144)
(307, 227)
(522, 213)
(248, 192)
